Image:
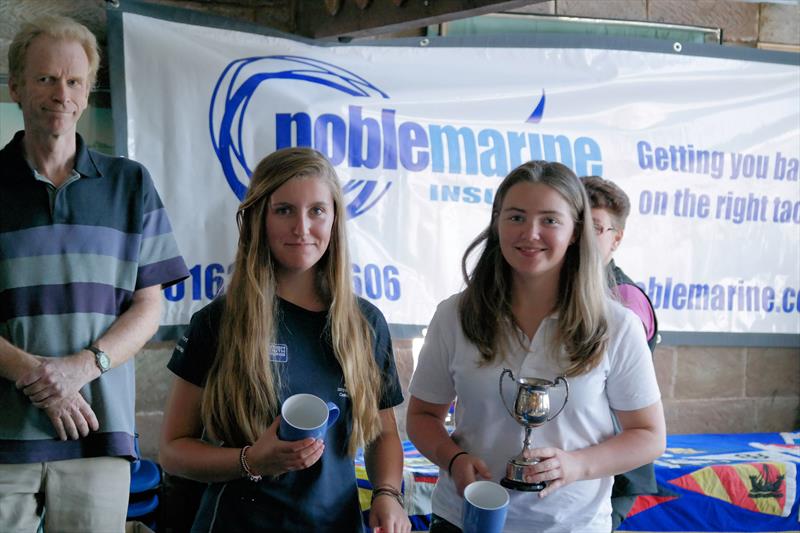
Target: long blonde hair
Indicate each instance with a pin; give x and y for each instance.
(241, 396)
(485, 306)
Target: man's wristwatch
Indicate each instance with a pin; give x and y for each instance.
(101, 359)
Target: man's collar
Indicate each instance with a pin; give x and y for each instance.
(84, 163)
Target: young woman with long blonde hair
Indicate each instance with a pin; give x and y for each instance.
(288, 323)
(536, 303)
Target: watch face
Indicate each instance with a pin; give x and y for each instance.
(103, 361)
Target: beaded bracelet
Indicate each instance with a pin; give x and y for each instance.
(388, 491)
(452, 460)
(255, 478)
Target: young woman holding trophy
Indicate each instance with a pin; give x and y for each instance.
(288, 327)
(535, 309)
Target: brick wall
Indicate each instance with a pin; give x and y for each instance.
(729, 390)
(743, 23)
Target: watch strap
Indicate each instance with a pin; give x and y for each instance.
(101, 358)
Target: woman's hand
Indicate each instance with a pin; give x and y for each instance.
(555, 467)
(467, 468)
(387, 516)
(270, 456)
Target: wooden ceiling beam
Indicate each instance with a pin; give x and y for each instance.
(363, 18)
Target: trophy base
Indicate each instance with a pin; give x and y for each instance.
(522, 486)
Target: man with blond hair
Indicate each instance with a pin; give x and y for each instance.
(85, 248)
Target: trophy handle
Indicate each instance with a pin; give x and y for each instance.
(566, 397)
(503, 398)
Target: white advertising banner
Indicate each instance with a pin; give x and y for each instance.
(707, 148)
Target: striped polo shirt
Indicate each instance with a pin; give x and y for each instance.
(70, 261)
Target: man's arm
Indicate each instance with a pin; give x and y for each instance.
(71, 416)
(56, 378)
(15, 362)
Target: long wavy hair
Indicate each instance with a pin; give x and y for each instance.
(485, 306)
(241, 396)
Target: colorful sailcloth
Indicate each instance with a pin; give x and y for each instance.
(723, 483)
(759, 487)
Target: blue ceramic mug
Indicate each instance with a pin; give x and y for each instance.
(306, 416)
(485, 507)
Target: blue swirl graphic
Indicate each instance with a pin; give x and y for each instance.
(233, 93)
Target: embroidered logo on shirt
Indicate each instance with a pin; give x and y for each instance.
(180, 346)
(342, 392)
(278, 353)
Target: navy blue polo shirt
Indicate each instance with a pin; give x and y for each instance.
(70, 261)
(323, 497)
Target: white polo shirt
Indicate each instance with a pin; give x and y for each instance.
(624, 380)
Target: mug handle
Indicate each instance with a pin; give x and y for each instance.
(333, 413)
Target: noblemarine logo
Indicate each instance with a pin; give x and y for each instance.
(229, 113)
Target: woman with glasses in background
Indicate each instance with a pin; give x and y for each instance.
(610, 210)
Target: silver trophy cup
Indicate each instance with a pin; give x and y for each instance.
(531, 409)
